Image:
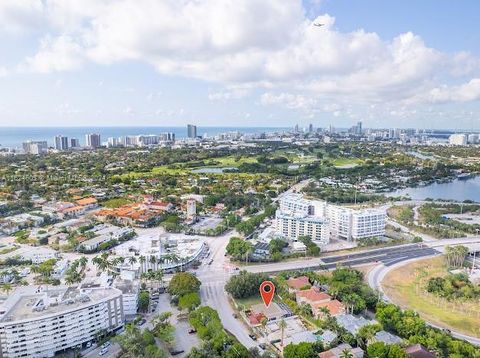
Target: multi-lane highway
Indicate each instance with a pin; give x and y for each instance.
(388, 256)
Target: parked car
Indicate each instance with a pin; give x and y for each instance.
(175, 352)
(141, 322)
(192, 331)
(252, 336)
(103, 351)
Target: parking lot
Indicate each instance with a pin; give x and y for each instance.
(206, 223)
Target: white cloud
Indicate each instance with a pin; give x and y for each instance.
(56, 54)
(244, 45)
(466, 92)
(229, 94)
(129, 110)
(18, 16)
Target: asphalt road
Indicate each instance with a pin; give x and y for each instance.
(385, 255)
(376, 276)
(212, 291)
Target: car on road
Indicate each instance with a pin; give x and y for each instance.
(141, 322)
(175, 352)
(103, 351)
(106, 344)
(253, 337)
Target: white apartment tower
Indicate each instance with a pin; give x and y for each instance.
(61, 142)
(297, 216)
(458, 139)
(37, 322)
(92, 140)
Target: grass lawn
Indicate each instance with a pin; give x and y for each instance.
(234, 161)
(343, 162)
(406, 287)
(249, 302)
(115, 203)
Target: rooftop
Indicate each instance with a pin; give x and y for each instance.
(37, 302)
(298, 283)
(313, 295)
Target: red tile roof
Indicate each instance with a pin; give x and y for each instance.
(313, 295)
(335, 307)
(298, 283)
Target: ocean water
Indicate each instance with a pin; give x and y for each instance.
(13, 137)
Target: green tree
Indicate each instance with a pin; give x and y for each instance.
(143, 301)
(245, 284)
(183, 283)
(301, 350)
(190, 301)
(238, 248)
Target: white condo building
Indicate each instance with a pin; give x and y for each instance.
(40, 322)
(298, 216)
(458, 139)
(351, 224)
(294, 226)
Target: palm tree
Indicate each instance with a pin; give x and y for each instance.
(82, 261)
(346, 353)
(282, 324)
(153, 260)
(7, 287)
(159, 276)
(132, 260)
(264, 325)
(101, 263)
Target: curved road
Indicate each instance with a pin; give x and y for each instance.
(376, 276)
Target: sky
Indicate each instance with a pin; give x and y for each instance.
(398, 63)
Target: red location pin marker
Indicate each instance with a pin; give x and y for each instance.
(267, 290)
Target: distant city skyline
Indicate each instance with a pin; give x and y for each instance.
(246, 63)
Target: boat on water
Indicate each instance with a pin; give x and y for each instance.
(464, 176)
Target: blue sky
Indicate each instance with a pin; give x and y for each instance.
(240, 63)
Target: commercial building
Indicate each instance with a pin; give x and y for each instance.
(458, 139)
(167, 137)
(298, 216)
(42, 322)
(92, 140)
(192, 131)
(112, 142)
(130, 290)
(191, 209)
(35, 147)
(61, 142)
(74, 143)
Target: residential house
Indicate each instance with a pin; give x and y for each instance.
(296, 284)
(419, 351)
(338, 351)
(88, 203)
(260, 312)
(352, 323)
